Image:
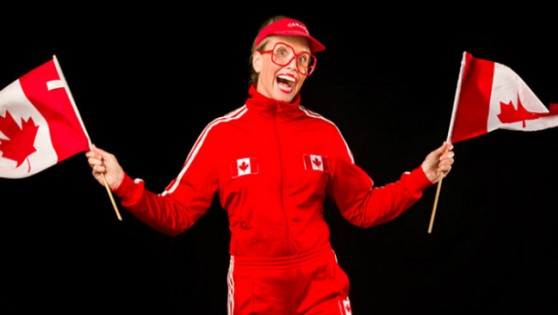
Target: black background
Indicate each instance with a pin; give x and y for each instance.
(148, 79)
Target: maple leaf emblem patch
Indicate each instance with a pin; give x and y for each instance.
(20, 143)
(316, 162)
(244, 166)
(345, 306)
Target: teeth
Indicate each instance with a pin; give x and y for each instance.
(288, 78)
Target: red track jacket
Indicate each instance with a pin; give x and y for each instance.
(272, 164)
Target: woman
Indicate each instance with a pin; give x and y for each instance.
(272, 162)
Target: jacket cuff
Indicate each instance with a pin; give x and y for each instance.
(417, 180)
(130, 190)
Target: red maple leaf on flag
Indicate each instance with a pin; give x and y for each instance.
(19, 144)
(509, 114)
(317, 162)
(243, 166)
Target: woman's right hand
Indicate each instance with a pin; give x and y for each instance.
(105, 167)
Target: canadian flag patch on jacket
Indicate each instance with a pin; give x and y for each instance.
(316, 162)
(345, 306)
(244, 166)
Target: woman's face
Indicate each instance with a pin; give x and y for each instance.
(282, 82)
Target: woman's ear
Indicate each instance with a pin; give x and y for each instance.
(257, 61)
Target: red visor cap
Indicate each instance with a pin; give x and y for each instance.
(289, 27)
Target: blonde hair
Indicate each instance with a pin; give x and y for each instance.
(253, 79)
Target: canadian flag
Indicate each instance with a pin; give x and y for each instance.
(244, 166)
(39, 123)
(492, 96)
(345, 306)
(316, 162)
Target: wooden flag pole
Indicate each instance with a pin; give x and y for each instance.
(448, 138)
(434, 207)
(112, 199)
(59, 68)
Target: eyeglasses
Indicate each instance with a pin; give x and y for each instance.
(283, 54)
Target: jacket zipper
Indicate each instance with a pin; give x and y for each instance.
(281, 180)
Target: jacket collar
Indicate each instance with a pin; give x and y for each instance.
(263, 103)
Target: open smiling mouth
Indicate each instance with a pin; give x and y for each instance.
(286, 83)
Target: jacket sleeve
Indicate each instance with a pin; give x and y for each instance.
(184, 200)
(362, 202)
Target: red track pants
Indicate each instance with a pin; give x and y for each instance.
(306, 284)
